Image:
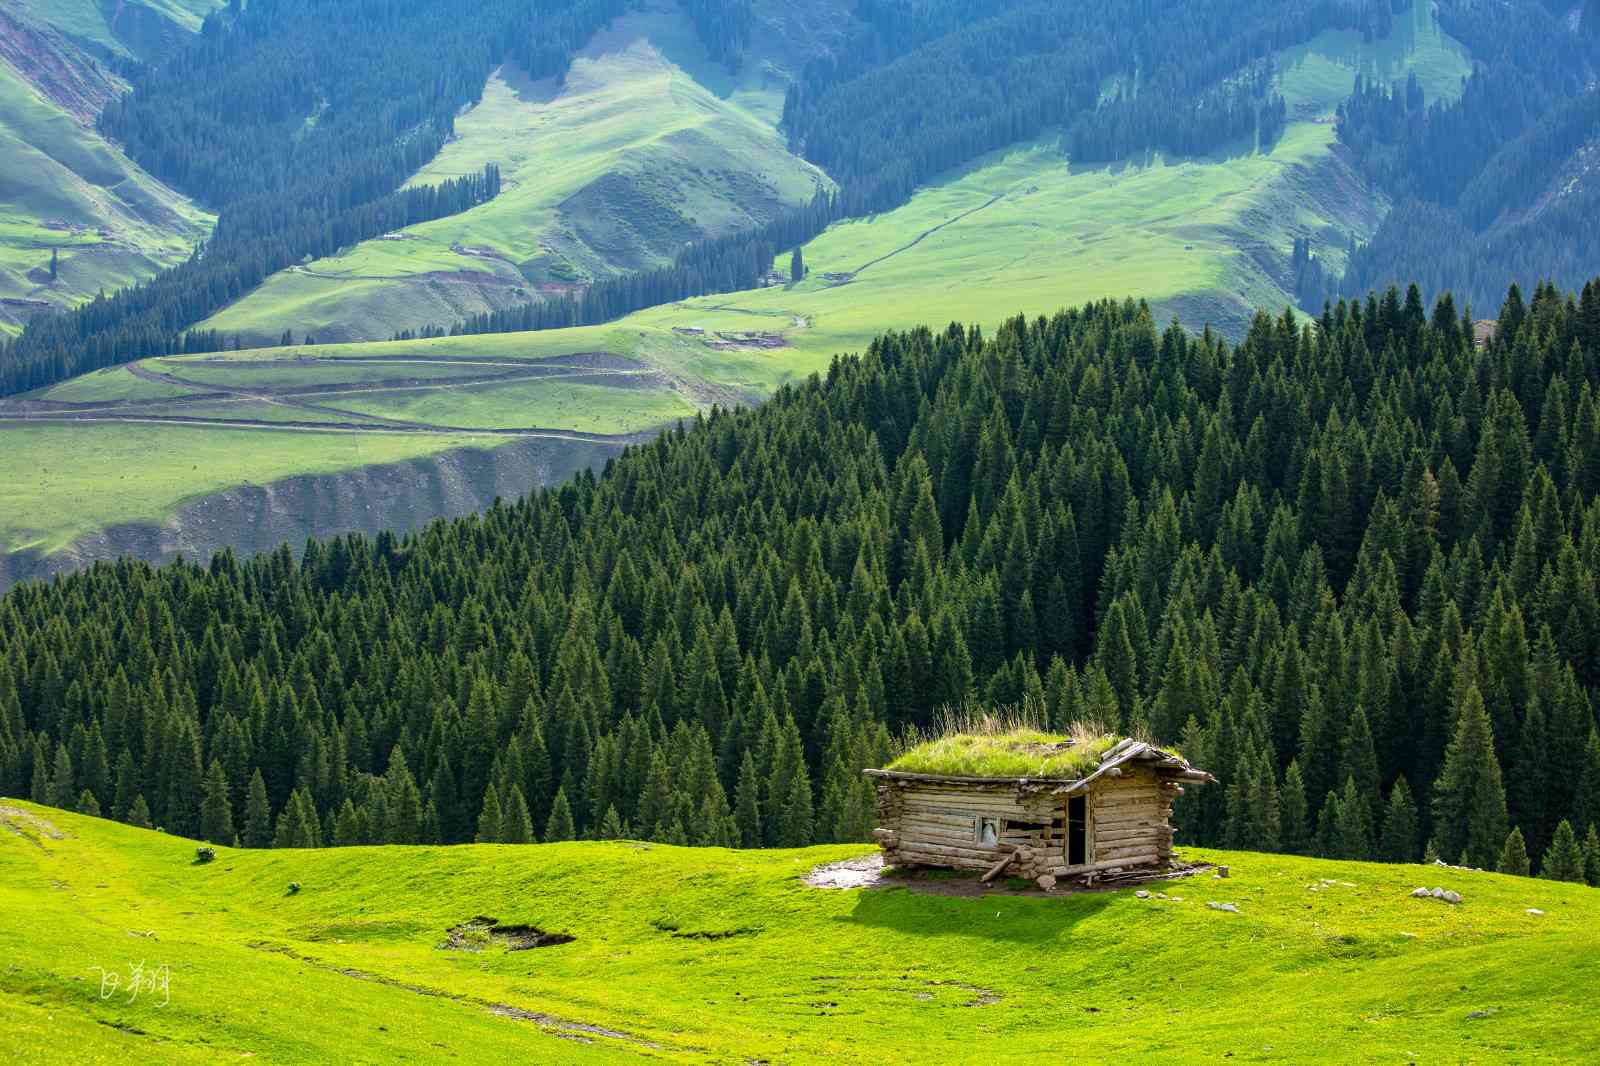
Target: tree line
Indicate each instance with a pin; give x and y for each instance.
(1349, 565)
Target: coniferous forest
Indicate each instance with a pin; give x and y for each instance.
(1350, 566)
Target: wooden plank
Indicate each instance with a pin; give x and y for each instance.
(1151, 859)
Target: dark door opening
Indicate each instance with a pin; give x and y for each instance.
(1077, 830)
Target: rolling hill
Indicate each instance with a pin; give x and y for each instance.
(1024, 228)
(706, 955)
(65, 192)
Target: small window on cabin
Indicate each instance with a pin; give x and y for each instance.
(988, 831)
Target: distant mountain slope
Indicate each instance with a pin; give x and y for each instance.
(645, 145)
(65, 194)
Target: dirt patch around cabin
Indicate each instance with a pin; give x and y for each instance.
(868, 871)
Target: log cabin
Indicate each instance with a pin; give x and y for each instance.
(1109, 819)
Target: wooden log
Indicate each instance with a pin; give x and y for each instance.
(1150, 859)
(994, 871)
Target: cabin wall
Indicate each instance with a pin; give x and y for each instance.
(927, 824)
(1129, 820)
(938, 824)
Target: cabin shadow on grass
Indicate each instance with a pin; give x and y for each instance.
(1012, 919)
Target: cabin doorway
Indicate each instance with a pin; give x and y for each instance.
(1077, 830)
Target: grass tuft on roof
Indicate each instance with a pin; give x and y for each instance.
(1001, 747)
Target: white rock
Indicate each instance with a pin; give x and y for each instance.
(1142, 894)
(1437, 893)
(1418, 893)
(1231, 908)
(1536, 912)
(1451, 896)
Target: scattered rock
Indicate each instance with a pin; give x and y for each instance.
(1222, 871)
(1536, 912)
(1142, 894)
(1475, 1015)
(1231, 908)
(1046, 881)
(1443, 895)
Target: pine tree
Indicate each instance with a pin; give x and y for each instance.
(797, 265)
(87, 804)
(347, 827)
(1564, 860)
(63, 786)
(1469, 801)
(490, 819)
(610, 827)
(747, 803)
(216, 807)
(516, 827)
(1514, 856)
(55, 263)
(1400, 827)
(1591, 857)
(257, 814)
(139, 812)
(1353, 824)
(560, 826)
(795, 817)
(1292, 813)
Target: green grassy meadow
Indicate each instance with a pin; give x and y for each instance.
(713, 956)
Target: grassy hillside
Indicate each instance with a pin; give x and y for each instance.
(63, 190)
(713, 956)
(644, 146)
(1020, 230)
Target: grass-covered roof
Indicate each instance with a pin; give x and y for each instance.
(1016, 751)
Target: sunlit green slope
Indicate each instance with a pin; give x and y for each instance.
(710, 956)
(643, 147)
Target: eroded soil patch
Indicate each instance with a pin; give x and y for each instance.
(480, 932)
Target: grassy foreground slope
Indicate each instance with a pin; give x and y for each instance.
(685, 955)
(644, 146)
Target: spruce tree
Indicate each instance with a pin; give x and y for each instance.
(63, 785)
(560, 826)
(490, 818)
(257, 814)
(747, 803)
(87, 804)
(1399, 843)
(797, 265)
(1469, 801)
(1514, 856)
(347, 827)
(1353, 823)
(1564, 859)
(1591, 857)
(610, 827)
(139, 812)
(216, 807)
(1292, 813)
(515, 825)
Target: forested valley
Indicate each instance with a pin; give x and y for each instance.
(299, 120)
(1350, 566)
(1500, 184)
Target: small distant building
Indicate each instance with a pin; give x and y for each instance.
(1111, 819)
